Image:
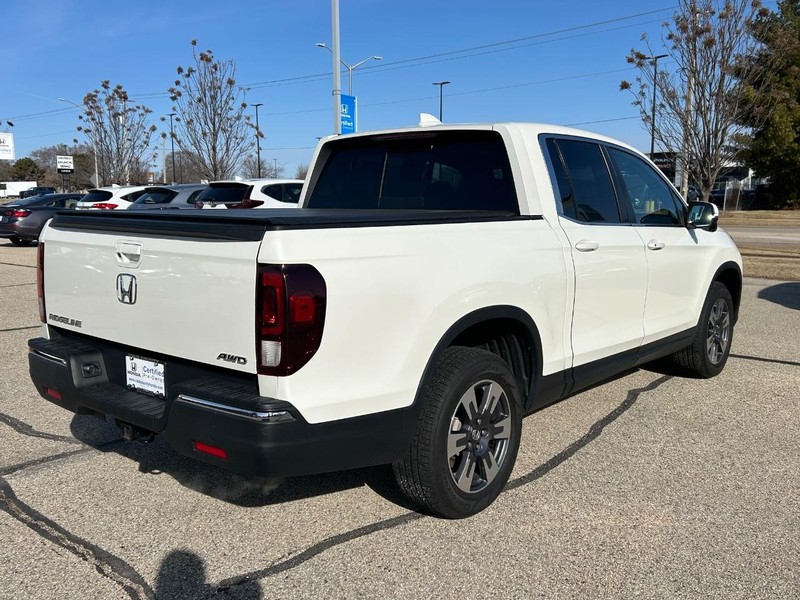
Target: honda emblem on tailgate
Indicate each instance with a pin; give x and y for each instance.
(126, 288)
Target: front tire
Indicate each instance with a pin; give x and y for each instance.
(706, 356)
(467, 435)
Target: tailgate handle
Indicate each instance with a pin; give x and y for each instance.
(129, 253)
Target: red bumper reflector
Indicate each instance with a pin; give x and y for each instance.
(55, 394)
(212, 450)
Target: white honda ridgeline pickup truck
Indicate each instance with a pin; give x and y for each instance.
(437, 284)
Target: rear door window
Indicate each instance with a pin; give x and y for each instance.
(193, 196)
(591, 188)
(291, 192)
(284, 192)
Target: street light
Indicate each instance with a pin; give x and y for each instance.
(653, 115)
(441, 85)
(275, 172)
(258, 142)
(350, 68)
(94, 143)
(172, 144)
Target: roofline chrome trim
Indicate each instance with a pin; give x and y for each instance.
(275, 416)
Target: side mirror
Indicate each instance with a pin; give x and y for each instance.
(703, 215)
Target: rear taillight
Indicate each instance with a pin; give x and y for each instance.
(18, 213)
(246, 203)
(104, 206)
(40, 281)
(290, 317)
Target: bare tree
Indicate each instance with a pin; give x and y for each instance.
(701, 102)
(250, 167)
(83, 162)
(118, 131)
(275, 170)
(302, 171)
(210, 117)
(185, 169)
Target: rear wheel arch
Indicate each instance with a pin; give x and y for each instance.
(507, 331)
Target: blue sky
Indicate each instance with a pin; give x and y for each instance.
(565, 68)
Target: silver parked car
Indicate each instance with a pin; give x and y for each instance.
(160, 197)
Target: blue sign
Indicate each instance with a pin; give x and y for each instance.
(348, 113)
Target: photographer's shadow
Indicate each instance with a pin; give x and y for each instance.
(182, 574)
(157, 458)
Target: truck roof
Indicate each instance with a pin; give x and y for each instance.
(526, 128)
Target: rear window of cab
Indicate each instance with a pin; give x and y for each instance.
(447, 170)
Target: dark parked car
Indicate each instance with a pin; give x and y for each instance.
(37, 191)
(22, 220)
(161, 197)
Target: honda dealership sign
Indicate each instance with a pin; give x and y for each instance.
(348, 114)
(7, 146)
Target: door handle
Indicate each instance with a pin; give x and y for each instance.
(655, 245)
(586, 246)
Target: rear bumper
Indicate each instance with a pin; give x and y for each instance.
(259, 436)
(8, 230)
(20, 230)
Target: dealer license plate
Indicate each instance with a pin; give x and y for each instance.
(145, 375)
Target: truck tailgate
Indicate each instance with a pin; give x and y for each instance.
(177, 287)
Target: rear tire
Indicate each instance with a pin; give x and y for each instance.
(707, 354)
(18, 241)
(467, 435)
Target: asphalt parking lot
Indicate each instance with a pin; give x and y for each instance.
(649, 486)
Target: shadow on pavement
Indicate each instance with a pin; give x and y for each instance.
(785, 294)
(182, 575)
(158, 458)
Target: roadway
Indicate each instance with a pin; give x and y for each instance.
(753, 234)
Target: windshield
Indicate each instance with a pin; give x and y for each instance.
(448, 170)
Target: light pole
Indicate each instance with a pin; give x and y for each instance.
(441, 85)
(94, 143)
(172, 145)
(275, 172)
(350, 68)
(653, 115)
(258, 142)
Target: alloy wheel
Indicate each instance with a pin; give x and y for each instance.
(479, 436)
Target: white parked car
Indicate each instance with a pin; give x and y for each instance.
(113, 197)
(251, 193)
